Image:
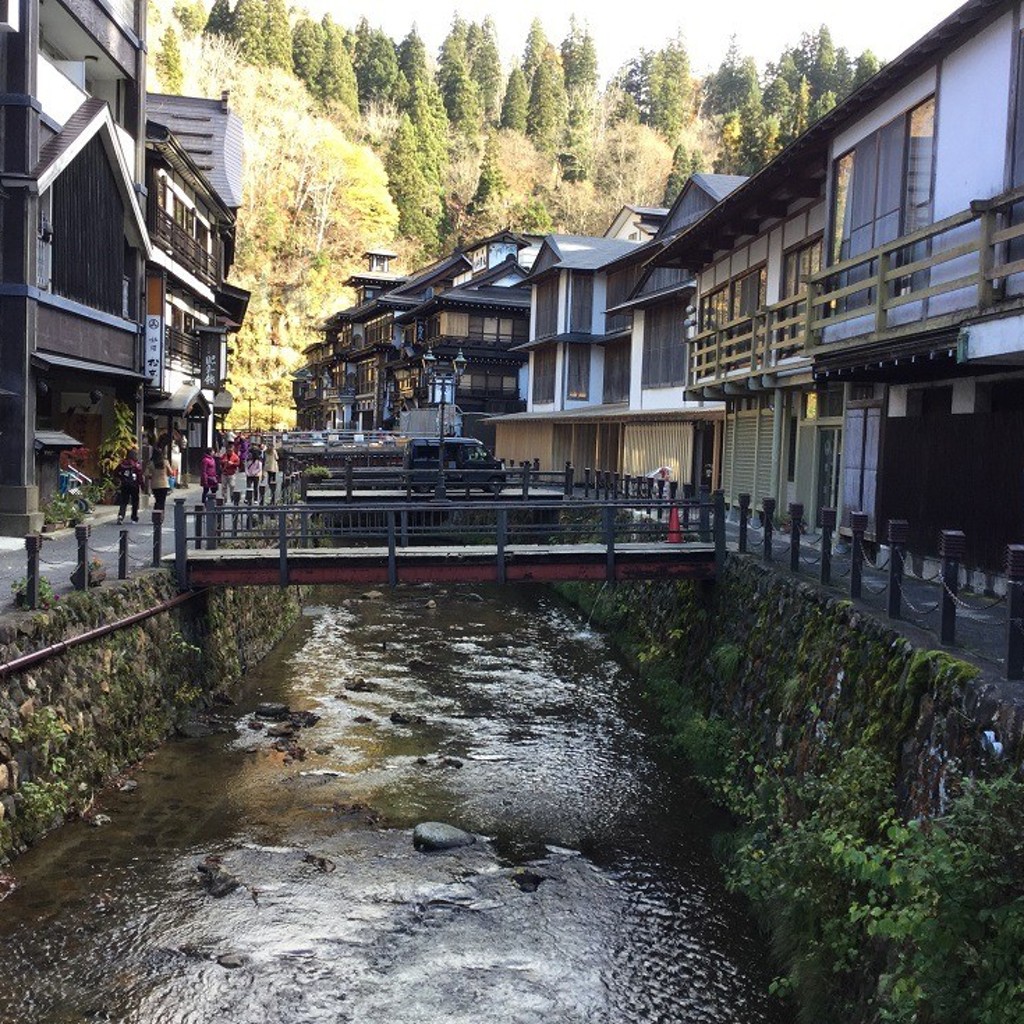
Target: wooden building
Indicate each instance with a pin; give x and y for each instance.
(74, 241)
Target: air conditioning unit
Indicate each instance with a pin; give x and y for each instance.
(9, 10)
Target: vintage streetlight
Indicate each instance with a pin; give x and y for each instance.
(442, 379)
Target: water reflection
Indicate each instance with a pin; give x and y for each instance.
(500, 713)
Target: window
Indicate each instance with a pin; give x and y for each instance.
(883, 187)
(797, 265)
(547, 308)
(544, 375)
(577, 384)
(664, 358)
(714, 309)
(492, 330)
(581, 307)
(616, 373)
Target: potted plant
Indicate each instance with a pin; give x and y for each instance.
(60, 511)
(45, 597)
(114, 447)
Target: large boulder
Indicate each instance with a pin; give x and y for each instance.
(435, 835)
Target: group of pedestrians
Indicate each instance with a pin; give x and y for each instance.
(240, 468)
(133, 480)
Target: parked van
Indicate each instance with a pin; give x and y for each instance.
(466, 461)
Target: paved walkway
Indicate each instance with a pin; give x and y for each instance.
(59, 555)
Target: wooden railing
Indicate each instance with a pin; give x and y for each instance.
(184, 248)
(921, 281)
(772, 336)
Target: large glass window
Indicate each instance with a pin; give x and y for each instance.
(883, 187)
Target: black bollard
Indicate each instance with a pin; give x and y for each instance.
(704, 515)
(199, 509)
(1015, 611)
(828, 526)
(122, 556)
(33, 544)
(744, 517)
(899, 531)
(586, 482)
(768, 511)
(952, 548)
(569, 484)
(158, 530)
(82, 572)
(796, 522)
(858, 524)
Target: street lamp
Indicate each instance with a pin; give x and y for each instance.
(442, 379)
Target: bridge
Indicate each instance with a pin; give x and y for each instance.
(488, 539)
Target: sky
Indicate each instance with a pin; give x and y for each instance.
(763, 28)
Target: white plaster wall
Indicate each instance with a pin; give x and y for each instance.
(533, 314)
(972, 113)
(636, 358)
(774, 252)
(909, 96)
(599, 304)
(563, 301)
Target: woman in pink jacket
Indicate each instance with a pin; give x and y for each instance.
(208, 475)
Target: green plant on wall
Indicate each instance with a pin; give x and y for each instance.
(120, 438)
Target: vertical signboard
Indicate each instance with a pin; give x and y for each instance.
(210, 343)
(154, 361)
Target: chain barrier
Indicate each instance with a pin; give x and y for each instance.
(874, 590)
(872, 564)
(961, 603)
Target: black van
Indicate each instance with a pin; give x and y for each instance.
(466, 462)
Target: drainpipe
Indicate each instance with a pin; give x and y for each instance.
(34, 657)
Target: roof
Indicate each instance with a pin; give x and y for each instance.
(212, 136)
(718, 186)
(488, 297)
(92, 119)
(54, 439)
(568, 337)
(381, 252)
(181, 403)
(783, 173)
(582, 252)
(161, 139)
(47, 360)
(639, 301)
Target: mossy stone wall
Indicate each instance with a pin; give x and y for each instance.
(70, 722)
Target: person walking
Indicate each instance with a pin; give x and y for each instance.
(156, 478)
(129, 478)
(208, 477)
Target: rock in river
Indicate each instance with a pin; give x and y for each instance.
(435, 835)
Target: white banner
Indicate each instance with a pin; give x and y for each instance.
(154, 362)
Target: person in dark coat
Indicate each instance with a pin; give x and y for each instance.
(129, 479)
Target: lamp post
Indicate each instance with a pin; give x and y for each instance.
(439, 379)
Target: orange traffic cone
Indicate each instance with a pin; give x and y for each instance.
(673, 536)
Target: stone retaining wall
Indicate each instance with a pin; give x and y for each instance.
(69, 723)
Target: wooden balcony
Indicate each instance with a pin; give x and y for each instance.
(181, 246)
(927, 281)
(771, 338)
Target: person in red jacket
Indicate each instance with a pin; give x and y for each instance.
(229, 465)
(208, 475)
(129, 479)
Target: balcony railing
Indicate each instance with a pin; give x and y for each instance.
(183, 247)
(773, 336)
(924, 281)
(182, 349)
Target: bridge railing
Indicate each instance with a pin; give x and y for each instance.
(491, 523)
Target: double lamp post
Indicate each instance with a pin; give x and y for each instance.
(442, 379)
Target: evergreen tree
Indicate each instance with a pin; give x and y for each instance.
(671, 90)
(685, 164)
(579, 59)
(308, 50)
(536, 44)
(801, 108)
(221, 19)
(546, 118)
(191, 16)
(431, 121)
(169, 68)
(409, 186)
(822, 105)
(336, 82)
(576, 157)
(729, 159)
(492, 184)
(485, 70)
(278, 41)
(461, 96)
(412, 57)
(249, 31)
(376, 65)
(779, 103)
(634, 79)
(867, 65)
(516, 105)
(733, 83)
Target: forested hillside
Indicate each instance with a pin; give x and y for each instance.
(354, 139)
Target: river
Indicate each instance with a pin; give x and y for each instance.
(591, 894)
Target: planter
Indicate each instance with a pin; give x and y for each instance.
(96, 577)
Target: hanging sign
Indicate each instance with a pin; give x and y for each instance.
(209, 354)
(154, 362)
